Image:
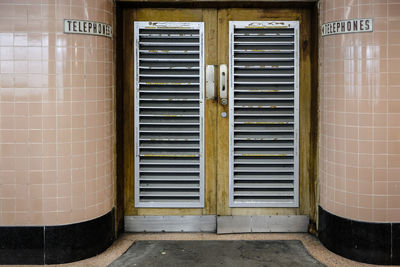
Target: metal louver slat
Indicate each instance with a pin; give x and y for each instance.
(169, 108)
(263, 115)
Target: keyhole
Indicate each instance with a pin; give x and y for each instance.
(223, 77)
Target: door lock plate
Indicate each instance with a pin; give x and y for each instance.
(223, 82)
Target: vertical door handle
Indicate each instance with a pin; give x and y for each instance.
(210, 87)
(223, 82)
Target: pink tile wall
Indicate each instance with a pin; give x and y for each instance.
(56, 113)
(359, 154)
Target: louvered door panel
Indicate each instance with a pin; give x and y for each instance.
(169, 114)
(263, 101)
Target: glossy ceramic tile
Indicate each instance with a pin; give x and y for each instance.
(359, 120)
(56, 115)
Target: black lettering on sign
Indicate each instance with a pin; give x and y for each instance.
(87, 27)
(347, 26)
(355, 25)
(69, 25)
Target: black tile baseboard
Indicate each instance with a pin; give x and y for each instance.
(56, 244)
(396, 243)
(368, 242)
(21, 245)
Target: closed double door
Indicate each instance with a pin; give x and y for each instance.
(217, 111)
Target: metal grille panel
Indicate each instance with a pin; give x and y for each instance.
(263, 103)
(169, 114)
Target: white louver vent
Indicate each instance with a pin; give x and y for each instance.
(169, 114)
(263, 103)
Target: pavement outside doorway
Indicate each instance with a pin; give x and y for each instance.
(244, 253)
(125, 241)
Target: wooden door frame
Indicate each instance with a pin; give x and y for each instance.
(124, 94)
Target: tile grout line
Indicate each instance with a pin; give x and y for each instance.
(44, 244)
(391, 243)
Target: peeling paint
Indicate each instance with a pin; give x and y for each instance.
(171, 156)
(265, 27)
(263, 155)
(159, 51)
(166, 27)
(152, 83)
(265, 122)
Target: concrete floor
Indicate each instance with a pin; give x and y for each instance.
(217, 253)
(314, 247)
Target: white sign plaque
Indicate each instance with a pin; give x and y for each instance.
(87, 27)
(347, 26)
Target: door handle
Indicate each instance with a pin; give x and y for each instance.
(210, 87)
(223, 82)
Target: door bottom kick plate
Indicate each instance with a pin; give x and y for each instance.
(204, 223)
(219, 224)
(262, 224)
